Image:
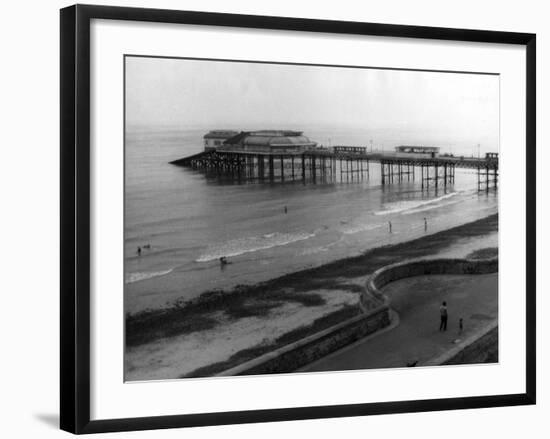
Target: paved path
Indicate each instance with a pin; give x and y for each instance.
(417, 337)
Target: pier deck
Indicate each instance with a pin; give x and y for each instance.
(322, 162)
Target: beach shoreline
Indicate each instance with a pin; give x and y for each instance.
(324, 295)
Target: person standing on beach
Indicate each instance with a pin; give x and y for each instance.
(139, 251)
(389, 224)
(444, 316)
(425, 225)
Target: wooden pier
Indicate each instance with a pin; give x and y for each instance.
(350, 162)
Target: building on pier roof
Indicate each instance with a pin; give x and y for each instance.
(215, 138)
(417, 151)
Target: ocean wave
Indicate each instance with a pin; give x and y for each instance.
(138, 276)
(360, 228)
(429, 207)
(237, 247)
(401, 206)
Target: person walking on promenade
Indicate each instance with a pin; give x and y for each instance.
(444, 316)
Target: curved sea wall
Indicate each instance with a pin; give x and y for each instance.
(420, 267)
(375, 315)
(477, 348)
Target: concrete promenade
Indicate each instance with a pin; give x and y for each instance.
(417, 336)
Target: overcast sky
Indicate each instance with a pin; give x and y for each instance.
(192, 93)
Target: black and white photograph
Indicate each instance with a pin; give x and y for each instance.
(301, 218)
(275, 219)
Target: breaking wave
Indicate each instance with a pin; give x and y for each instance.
(360, 228)
(237, 247)
(136, 277)
(402, 206)
(430, 207)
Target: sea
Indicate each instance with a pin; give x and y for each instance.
(184, 220)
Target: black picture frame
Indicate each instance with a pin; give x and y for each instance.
(75, 216)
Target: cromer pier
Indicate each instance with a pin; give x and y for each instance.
(288, 155)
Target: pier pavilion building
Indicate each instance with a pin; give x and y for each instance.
(271, 141)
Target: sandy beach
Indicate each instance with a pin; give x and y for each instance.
(221, 329)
